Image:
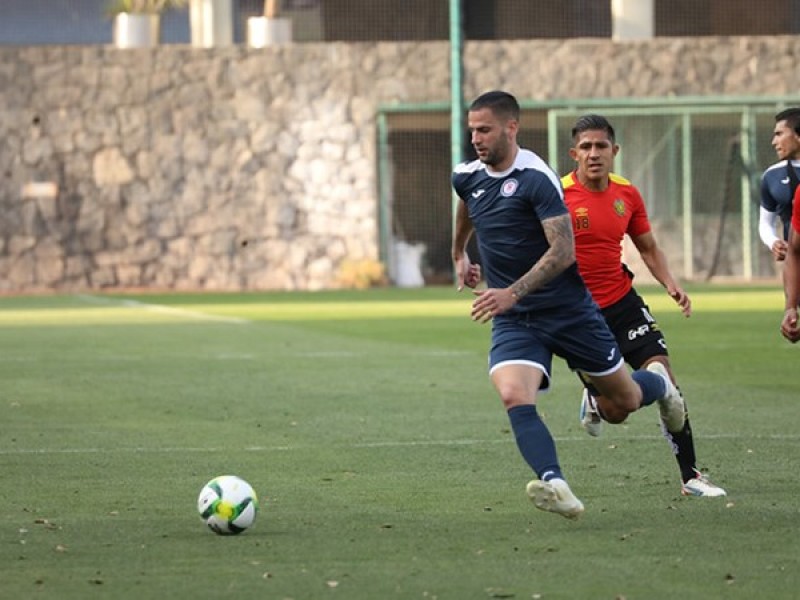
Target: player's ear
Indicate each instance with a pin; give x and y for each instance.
(615, 149)
(573, 154)
(512, 126)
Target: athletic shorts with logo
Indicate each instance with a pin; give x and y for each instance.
(577, 333)
(638, 335)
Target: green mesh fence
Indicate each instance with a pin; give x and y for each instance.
(697, 166)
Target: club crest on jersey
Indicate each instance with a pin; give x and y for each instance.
(619, 207)
(509, 187)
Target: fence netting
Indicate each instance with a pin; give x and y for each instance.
(86, 21)
(419, 145)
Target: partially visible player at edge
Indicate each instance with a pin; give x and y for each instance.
(779, 181)
(791, 276)
(604, 208)
(537, 301)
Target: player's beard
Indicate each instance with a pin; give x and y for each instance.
(497, 154)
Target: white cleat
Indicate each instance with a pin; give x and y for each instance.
(699, 485)
(589, 416)
(554, 496)
(672, 407)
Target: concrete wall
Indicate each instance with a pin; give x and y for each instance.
(168, 160)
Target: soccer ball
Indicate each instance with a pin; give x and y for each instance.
(228, 505)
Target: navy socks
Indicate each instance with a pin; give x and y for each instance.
(535, 442)
(653, 386)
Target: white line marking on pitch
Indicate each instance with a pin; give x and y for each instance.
(365, 445)
(160, 308)
(233, 356)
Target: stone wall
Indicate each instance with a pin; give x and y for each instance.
(243, 169)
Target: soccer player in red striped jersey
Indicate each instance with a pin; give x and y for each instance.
(605, 208)
(791, 276)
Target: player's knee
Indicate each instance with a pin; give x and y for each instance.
(512, 395)
(611, 412)
(630, 403)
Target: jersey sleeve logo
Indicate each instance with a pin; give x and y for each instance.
(619, 207)
(509, 187)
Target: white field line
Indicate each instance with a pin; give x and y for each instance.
(350, 354)
(246, 356)
(365, 445)
(161, 309)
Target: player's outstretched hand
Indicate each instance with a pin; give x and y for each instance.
(681, 299)
(491, 302)
(789, 328)
(473, 277)
(779, 249)
(468, 273)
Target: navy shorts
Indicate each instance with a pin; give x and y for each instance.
(576, 333)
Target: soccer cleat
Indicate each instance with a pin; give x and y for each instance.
(554, 496)
(588, 415)
(672, 407)
(699, 485)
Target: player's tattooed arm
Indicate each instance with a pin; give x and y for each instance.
(560, 255)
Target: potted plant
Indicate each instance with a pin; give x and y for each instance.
(270, 28)
(137, 22)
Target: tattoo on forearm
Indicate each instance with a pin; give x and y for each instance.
(561, 254)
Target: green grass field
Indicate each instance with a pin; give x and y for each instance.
(384, 460)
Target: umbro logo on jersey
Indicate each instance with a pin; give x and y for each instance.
(478, 193)
(785, 181)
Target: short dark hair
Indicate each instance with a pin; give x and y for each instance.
(792, 118)
(592, 122)
(502, 104)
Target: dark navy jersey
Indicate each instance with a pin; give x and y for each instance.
(507, 210)
(777, 192)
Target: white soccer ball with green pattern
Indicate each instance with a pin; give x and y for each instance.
(228, 505)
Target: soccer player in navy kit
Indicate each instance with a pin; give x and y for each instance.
(779, 181)
(536, 299)
(606, 207)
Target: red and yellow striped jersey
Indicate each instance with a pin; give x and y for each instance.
(600, 221)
